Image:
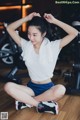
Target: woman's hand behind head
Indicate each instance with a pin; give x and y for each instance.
(33, 14)
(50, 18)
(37, 14)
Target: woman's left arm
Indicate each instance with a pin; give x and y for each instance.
(72, 32)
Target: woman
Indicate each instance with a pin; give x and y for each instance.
(40, 56)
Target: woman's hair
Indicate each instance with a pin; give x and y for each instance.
(41, 24)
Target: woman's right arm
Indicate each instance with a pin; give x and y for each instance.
(13, 26)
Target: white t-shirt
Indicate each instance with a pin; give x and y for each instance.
(40, 66)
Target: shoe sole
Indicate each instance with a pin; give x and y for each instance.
(16, 104)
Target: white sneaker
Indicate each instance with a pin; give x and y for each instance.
(49, 106)
(20, 105)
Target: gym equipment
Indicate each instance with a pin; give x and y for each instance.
(10, 54)
(7, 47)
(73, 77)
(12, 75)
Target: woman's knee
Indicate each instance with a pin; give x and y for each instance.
(61, 89)
(8, 86)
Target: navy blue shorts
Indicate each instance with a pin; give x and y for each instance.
(39, 88)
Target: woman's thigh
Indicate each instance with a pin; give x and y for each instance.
(10, 85)
(59, 88)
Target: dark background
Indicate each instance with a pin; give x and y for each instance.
(64, 12)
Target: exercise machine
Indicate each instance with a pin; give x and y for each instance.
(73, 77)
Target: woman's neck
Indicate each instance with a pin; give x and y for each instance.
(37, 47)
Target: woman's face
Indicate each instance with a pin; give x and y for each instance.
(35, 35)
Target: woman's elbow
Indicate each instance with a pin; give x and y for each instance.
(8, 28)
(76, 33)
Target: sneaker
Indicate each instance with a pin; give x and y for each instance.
(49, 106)
(20, 105)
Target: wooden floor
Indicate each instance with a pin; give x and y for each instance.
(69, 106)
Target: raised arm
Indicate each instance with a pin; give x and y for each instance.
(13, 26)
(72, 32)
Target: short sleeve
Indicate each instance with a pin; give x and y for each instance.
(24, 46)
(56, 46)
(23, 43)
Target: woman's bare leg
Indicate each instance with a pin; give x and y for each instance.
(26, 95)
(21, 93)
(55, 93)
